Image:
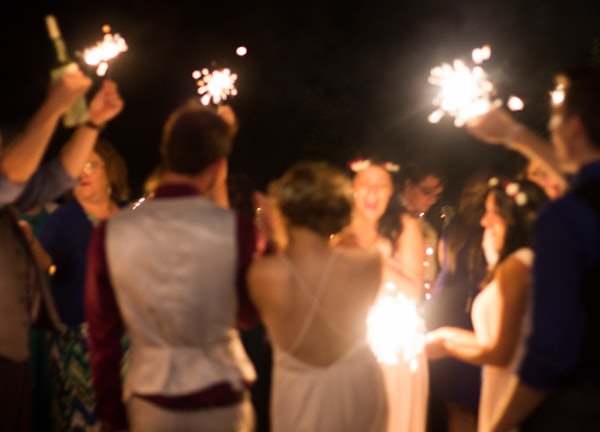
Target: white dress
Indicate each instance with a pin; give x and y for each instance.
(345, 396)
(495, 380)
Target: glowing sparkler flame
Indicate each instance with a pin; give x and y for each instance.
(396, 331)
(558, 94)
(215, 86)
(104, 51)
(465, 92)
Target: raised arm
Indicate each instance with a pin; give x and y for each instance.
(498, 127)
(105, 105)
(23, 156)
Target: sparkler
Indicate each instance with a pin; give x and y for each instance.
(395, 329)
(215, 86)
(465, 92)
(558, 94)
(104, 51)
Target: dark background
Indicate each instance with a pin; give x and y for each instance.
(321, 80)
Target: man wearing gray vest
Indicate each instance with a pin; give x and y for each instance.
(24, 185)
(171, 274)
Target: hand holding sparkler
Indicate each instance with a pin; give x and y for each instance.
(101, 54)
(465, 92)
(496, 126)
(215, 86)
(67, 89)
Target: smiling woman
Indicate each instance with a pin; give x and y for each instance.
(102, 189)
(501, 312)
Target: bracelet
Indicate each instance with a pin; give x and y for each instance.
(93, 125)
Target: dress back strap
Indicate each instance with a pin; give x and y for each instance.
(314, 298)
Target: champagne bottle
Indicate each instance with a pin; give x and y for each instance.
(78, 113)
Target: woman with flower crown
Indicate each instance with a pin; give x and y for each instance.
(379, 222)
(501, 311)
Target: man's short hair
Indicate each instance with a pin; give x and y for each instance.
(194, 137)
(582, 98)
(421, 166)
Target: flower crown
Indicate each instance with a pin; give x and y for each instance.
(360, 164)
(511, 189)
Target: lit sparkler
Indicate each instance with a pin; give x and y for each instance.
(104, 51)
(215, 86)
(396, 331)
(558, 94)
(465, 92)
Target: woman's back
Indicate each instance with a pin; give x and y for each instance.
(315, 304)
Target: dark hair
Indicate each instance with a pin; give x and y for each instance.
(467, 223)
(194, 137)
(421, 166)
(116, 170)
(520, 219)
(582, 98)
(314, 195)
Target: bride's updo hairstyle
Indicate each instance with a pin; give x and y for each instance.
(314, 195)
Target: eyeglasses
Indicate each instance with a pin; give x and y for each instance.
(432, 192)
(90, 167)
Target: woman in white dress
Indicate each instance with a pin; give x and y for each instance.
(313, 300)
(380, 224)
(501, 312)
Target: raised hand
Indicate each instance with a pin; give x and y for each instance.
(64, 91)
(106, 103)
(494, 127)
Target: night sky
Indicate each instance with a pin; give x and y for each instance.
(329, 80)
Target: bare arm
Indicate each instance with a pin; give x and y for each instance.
(105, 105)
(513, 282)
(25, 153)
(498, 127)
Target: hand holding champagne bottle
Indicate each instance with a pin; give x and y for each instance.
(77, 114)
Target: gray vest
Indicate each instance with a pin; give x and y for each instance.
(172, 264)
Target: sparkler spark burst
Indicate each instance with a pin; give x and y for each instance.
(465, 92)
(395, 330)
(215, 86)
(558, 94)
(104, 51)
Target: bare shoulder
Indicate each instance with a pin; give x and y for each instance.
(411, 227)
(268, 269)
(513, 275)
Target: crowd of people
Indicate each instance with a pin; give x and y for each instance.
(211, 306)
